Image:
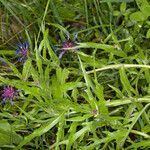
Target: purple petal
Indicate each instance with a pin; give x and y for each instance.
(3, 101)
(18, 51)
(21, 45)
(26, 45)
(61, 54)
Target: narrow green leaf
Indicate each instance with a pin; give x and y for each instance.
(123, 7)
(38, 132)
(79, 118)
(101, 102)
(7, 52)
(7, 135)
(148, 34)
(126, 83)
(117, 91)
(39, 62)
(105, 47)
(47, 45)
(59, 27)
(90, 60)
(72, 131)
(60, 131)
(138, 16)
(88, 84)
(14, 69)
(26, 69)
(135, 119)
(144, 144)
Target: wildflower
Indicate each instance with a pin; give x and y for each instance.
(23, 51)
(65, 47)
(8, 93)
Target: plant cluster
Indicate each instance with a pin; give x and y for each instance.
(79, 77)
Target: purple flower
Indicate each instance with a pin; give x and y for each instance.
(68, 44)
(8, 93)
(65, 47)
(23, 51)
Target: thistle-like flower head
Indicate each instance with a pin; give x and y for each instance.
(65, 47)
(23, 51)
(8, 93)
(68, 44)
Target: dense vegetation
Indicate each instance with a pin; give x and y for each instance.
(75, 74)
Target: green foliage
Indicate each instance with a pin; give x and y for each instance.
(97, 96)
(8, 136)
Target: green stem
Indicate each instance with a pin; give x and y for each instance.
(119, 66)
